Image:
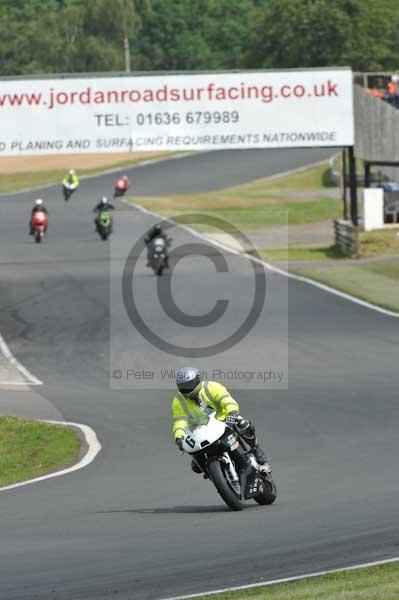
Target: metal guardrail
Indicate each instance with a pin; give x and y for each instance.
(346, 237)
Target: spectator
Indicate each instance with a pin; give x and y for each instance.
(395, 82)
(391, 91)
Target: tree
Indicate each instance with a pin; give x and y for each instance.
(314, 33)
(304, 33)
(54, 36)
(205, 34)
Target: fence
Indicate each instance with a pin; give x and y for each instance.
(376, 127)
(346, 237)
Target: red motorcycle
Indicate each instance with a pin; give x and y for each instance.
(121, 186)
(39, 224)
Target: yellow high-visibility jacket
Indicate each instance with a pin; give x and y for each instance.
(186, 412)
(71, 179)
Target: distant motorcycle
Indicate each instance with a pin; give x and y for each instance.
(68, 189)
(104, 224)
(158, 255)
(121, 186)
(228, 461)
(39, 225)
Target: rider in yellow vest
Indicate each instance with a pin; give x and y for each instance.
(196, 398)
(71, 178)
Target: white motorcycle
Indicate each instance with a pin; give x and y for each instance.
(228, 461)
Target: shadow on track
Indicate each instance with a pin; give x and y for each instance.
(173, 510)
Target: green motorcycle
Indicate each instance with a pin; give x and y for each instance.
(104, 224)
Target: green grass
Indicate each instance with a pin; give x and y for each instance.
(19, 181)
(309, 252)
(296, 199)
(373, 583)
(375, 283)
(247, 214)
(380, 242)
(312, 178)
(29, 449)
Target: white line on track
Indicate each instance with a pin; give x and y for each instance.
(286, 579)
(8, 355)
(321, 286)
(94, 448)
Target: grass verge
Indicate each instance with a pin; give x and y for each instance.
(378, 243)
(296, 199)
(372, 244)
(29, 449)
(372, 583)
(246, 212)
(18, 181)
(310, 252)
(375, 283)
(312, 178)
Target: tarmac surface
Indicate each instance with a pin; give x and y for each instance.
(137, 524)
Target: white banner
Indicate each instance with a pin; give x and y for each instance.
(177, 112)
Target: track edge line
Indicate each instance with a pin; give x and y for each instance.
(8, 355)
(286, 579)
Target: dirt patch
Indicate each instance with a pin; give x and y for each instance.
(31, 164)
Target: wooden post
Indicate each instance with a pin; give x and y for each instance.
(344, 186)
(353, 186)
(367, 174)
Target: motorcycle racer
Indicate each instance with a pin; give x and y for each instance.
(156, 232)
(196, 397)
(70, 183)
(121, 186)
(104, 204)
(37, 207)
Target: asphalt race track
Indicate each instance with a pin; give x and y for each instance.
(137, 524)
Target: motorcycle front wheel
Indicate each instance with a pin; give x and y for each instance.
(222, 485)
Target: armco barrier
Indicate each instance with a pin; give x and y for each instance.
(346, 237)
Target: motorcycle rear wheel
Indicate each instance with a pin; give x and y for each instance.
(222, 485)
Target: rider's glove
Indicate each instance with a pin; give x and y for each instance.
(232, 418)
(241, 423)
(179, 443)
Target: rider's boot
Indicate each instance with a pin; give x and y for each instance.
(247, 431)
(262, 460)
(195, 467)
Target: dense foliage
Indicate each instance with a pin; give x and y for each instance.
(53, 36)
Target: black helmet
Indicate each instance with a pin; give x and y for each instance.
(157, 229)
(188, 380)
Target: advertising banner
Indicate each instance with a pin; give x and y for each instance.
(210, 111)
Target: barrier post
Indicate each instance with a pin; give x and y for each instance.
(353, 186)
